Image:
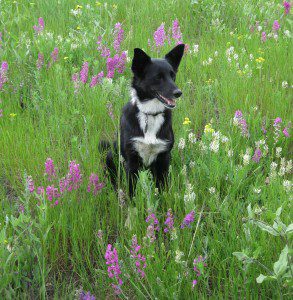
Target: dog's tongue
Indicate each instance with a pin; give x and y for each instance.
(170, 102)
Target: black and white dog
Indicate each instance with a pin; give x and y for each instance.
(146, 134)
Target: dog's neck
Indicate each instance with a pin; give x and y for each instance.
(149, 107)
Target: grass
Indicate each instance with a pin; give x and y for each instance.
(52, 251)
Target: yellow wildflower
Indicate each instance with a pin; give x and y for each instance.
(78, 7)
(65, 57)
(240, 37)
(12, 115)
(210, 81)
(115, 6)
(260, 60)
(77, 28)
(239, 72)
(208, 128)
(186, 121)
(98, 3)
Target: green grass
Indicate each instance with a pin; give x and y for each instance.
(52, 251)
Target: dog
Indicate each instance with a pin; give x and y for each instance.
(146, 134)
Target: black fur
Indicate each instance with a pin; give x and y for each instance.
(153, 79)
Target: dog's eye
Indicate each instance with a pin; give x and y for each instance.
(173, 75)
(158, 77)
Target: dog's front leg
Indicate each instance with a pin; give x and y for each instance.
(132, 167)
(160, 169)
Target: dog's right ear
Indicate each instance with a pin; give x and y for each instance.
(139, 62)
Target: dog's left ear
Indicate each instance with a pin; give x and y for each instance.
(175, 55)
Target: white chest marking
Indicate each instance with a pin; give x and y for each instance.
(149, 146)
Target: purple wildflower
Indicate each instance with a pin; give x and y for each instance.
(40, 190)
(94, 181)
(189, 218)
(140, 260)
(86, 296)
(30, 184)
(114, 271)
(116, 63)
(40, 61)
(63, 184)
(276, 25)
(3, 73)
(119, 34)
(52, 192)
(160, 36)
(54, 54)
(74, 177)
(285, 131)
(257, 155)
(154, 226)
(176, 32)
(40, 27)
(241, 123)
(105, 51)
(84, 72)
(277, 121)
(263, 37)
(96, 79)
(198, 266)
(287, 7)
(277, 129)
(169, 221)
(50, 169)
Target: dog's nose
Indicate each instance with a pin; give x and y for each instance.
(177, 93)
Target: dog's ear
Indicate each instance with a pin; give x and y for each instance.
(175, 55)
(140, 61)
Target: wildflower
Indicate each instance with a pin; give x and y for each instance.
(285, 84)
(100, 234)
(257, 155)
(75, 79)
(154, 226)
(30, 184)
(260, 60)
(285, 132)
(246, 159)
(160, 36)
(278, 151)
(84, 72)
(74, 176)
(98, 3)
(117, 62)
(212, 190)
(287, 184)
(181, 144)
(119, 34)
(94, 181)
(52, 192)
(257, 191)
(208, 128)
(40, 28)
(287, 7)
(40, 190)
(230, 153)
(192, 138)
(12, 115)
(78, 7)
(186, 121)
(97, 79)
(40, 61)
(50, 169)
(239, 121)
(195, 48)
(114, 270)
(139, 260)
(198, 266)
(176, 32)
(3, 73)
(263, 36)
(86, 296)
(276, 26)
(189, 218)
(169, 221)
(178, 255)
(105, 52)
(214, 145)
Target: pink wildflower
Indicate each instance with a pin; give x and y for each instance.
(257, 155)
(50, 169)
(40, 190)
(263, 36)
(41, 26)
(140, 260)
(114, 271)
(96, 79)
(30, 184)
(52, 192)
(154, 226)
(3, 73)
(285, 131)
(54, 54)
(277, 121)
(241, 123)
(176, 32)
(169, 221)
(84, 72)
(287, 7)
(160, 36)
(74, 177)
(40, 61)
(94, 182)
(189, 218)
(119, 34)
(198, 266)
(276, 25)
(105, 52)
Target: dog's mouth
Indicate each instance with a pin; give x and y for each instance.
(169, 103)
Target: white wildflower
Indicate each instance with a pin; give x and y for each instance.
(246, 159)
(230, 153)
(278, 151)
(192, 137)
(285, 84)
(251, 57)
(212, 190)
(178, 256)
(216, 53)
(195, 48)
(236, 56)
(214, 146)
(192, 164)
(181, 144)
(257, 191)
(287, 184)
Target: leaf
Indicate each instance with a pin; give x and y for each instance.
(289, 228)
(278, 212)
(261, 278)
(241, 256)
(267, 228)
(249, 210)
(280, 266)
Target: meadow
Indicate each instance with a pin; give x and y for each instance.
(223, 227)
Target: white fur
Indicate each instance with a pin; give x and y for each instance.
(149, 146)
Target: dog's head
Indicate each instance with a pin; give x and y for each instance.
(155, 78)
